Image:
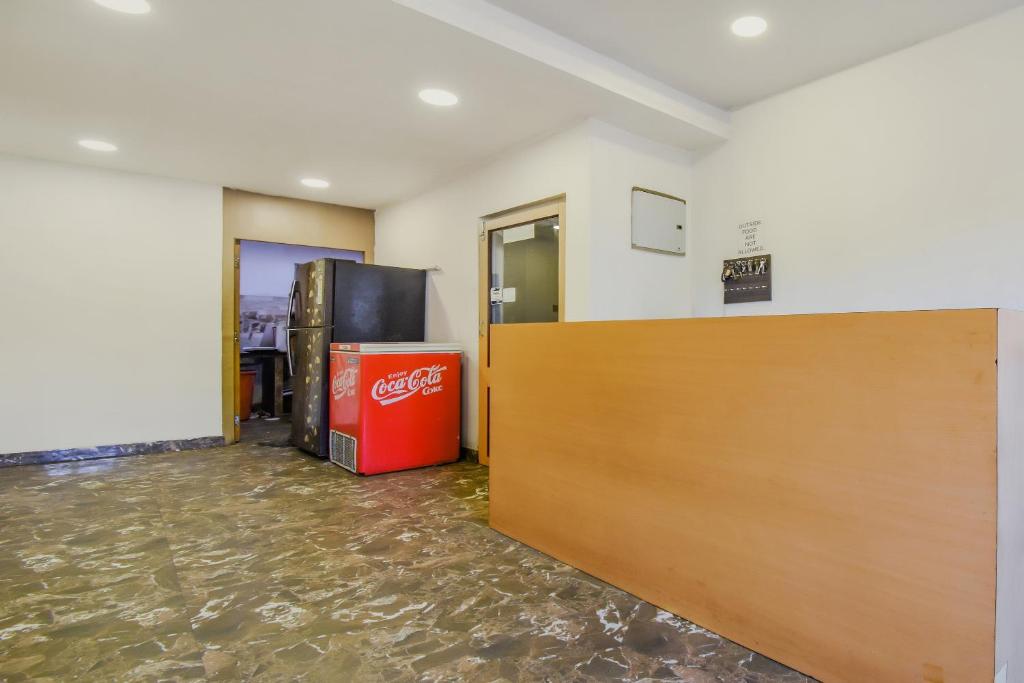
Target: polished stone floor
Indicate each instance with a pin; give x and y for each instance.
(254, 562)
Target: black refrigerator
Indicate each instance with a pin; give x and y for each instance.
(343, 301)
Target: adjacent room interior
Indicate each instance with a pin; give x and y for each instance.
(512, 340)
(266, 271)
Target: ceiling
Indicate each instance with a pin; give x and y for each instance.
(256, 94)
(687, 43)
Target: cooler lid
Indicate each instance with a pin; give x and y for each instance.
(398, 347)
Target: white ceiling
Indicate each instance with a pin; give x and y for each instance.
(688, 45)
(257, 94)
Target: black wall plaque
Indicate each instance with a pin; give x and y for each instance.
(747, 279)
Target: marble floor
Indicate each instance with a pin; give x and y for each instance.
(254, 562)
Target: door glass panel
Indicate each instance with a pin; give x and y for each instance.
(524, 273)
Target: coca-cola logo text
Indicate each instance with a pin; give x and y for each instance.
(399, 386)
(344, 383)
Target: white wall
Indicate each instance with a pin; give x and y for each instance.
(440, 228)
(629, 283)
(595, 165)
(894, 185)
(111, 307)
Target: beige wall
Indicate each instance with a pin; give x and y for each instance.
(249, 216)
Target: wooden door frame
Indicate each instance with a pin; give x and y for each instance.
(231, 347)
(529, 213)
(236, 351)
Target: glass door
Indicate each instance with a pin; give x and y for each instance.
(522, 280)
(524, 273)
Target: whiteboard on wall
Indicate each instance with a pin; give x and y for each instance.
(658, 222)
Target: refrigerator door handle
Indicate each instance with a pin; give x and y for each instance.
(288, 351)
(291, 303)
(291, 321)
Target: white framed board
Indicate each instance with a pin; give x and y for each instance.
(658, 222)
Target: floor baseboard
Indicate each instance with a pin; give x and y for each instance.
(113, 451)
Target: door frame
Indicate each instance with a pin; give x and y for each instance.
(231, 318)
(235, 365)
(521, 215)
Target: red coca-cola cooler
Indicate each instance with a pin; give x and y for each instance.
(394, 406)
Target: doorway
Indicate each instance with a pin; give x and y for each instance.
(522, 280)
(264, 347)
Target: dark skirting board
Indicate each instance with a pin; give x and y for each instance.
(113, 451)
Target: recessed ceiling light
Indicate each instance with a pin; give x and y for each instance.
(98, 145)
(126, 6)
(437, 97)
(318, 183)
(749, 27)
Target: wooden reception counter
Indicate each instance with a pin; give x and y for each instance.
(842, 493)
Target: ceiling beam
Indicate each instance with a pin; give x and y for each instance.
(515, 33)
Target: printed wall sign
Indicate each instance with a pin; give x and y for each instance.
(747, 279)
(751, 236)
